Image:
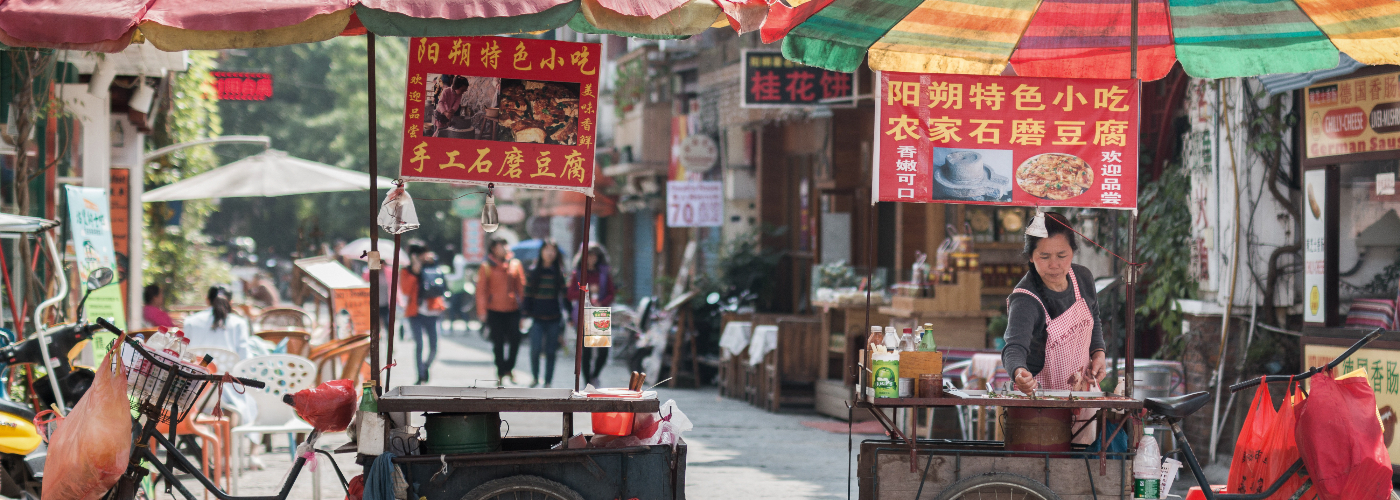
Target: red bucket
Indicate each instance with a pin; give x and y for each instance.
(613, 423)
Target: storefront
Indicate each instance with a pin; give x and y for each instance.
(1350, 155)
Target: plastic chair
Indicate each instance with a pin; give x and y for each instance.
(319, 351)
(298, 342)
(213, 439)
(284, 318)
(351, 357)
(284, 374)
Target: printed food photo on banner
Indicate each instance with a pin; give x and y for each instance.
(538, 112)
(972, 175)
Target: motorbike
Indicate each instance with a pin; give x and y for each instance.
(22, 452)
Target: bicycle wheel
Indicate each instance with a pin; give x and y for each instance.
(997, 485)
(522, 488)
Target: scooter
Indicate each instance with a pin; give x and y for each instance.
(22, 452)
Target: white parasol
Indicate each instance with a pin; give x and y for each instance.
(270, 173)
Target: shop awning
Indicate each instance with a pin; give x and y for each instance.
(1050, 38)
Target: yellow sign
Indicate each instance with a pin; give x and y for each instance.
(1382, 371)
(1359, 115)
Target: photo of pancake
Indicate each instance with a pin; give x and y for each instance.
(1055, 176)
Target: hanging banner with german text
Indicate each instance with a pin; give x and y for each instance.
(1357, 115)
(1044, 142)
(509, 111)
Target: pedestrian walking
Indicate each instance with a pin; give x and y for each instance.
(601, 292)
(544, 303)
(500, 283)
(424, 285)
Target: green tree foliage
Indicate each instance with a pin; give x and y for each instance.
(1165, 242)
(178, 256)
(319, 112)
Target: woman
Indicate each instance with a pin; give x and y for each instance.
(1054, 338)
(154, 312)
(544, 294)
(218, 327)
(601, 291)
(421, 283)
(499, 284)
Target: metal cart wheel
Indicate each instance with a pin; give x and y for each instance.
(998, 485)
(522, 488)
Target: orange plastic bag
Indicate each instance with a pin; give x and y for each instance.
(1245, 473)
(1281, 450)
(92, 445)
(1341, 440)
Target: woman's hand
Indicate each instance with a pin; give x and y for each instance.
(1025, 382)
(1096, 366)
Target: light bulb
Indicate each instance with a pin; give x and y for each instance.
(490, 222)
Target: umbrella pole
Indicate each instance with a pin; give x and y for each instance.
(1129, 313)
(583, 290)
(393, 308)
(374, 262)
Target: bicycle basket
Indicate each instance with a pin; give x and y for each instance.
(147, 379)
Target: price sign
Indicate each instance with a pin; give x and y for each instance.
(694, 203)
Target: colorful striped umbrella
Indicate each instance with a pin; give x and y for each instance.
(1053, 38)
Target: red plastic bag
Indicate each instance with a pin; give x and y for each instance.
(356, 489)
(1281, 450)
(92, 445)
(1246, 475)
(328, 407)
(1341, 440)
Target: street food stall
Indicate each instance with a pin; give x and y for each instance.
(939, 139)
(528, 124)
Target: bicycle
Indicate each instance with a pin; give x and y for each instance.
(1174, 410)
(164, 392)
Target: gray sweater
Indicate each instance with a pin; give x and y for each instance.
(1025, 327)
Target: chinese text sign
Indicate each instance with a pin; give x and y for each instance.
(694, 203)
(770, 80)
(1353, 116)
(1006, 140)
(509, 111)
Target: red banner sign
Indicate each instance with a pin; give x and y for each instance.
(510, 111)
(1006, 140)
(243, 86)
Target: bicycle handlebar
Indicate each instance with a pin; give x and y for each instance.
(165, 366)
(1314, 370)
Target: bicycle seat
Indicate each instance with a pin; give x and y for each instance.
(1178, 407)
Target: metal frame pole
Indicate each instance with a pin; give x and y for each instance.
(583, 291)
(374, 261)
(1130, 302)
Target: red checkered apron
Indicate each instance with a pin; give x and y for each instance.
(1067, 342)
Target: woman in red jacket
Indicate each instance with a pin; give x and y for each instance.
(601, 291)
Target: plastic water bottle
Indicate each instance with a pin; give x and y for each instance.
(1147, 468)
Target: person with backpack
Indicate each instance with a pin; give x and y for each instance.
(500, 284)
(601, 292)
(544, 303)
(424, 286)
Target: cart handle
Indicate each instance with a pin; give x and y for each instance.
(141, 349)
(1314, 370)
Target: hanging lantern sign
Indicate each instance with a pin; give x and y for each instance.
(598, 332)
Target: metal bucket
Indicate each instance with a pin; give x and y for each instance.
(1152, 383)
(1037, 429)
(463, 432)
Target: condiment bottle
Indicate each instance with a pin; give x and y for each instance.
(906, 341)
(877, 337)
(891, 339)
(927, 342)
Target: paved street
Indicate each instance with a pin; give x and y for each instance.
(736, 450)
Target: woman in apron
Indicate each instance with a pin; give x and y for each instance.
(1054, 339)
